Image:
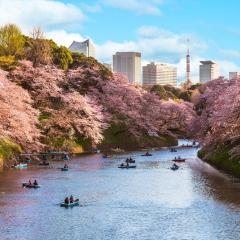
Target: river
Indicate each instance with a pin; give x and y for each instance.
(197, 202)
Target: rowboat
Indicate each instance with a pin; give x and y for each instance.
(74, 203)
(44, 164)
(127, 167)
(64, 169)
(179, 160)
(146, 155)
(21, 165)
(27, 185)
(174, 168)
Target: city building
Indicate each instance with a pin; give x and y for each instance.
(234, 75)
(160, 73)
(129, 64)
(108, 66)
(85, 47)
(208, 71)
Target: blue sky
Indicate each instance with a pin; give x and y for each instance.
(157, 28)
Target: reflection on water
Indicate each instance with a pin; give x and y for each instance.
(150, 202)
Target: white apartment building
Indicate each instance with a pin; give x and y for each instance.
(208, 71)
(129, 64)
(234, 75)
(160, 73)
(85, 47)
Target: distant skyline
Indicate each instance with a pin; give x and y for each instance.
(157, 28)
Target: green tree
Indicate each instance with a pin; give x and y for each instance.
(160, 91)
(11, 41)
(62, 57)
(7, 62)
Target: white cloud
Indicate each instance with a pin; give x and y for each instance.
(147, 7)
(45, 13)
(155, 44)
(227, 66)
(61, 37)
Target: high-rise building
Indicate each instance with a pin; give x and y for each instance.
(161, 74)
(234, 75)
(129, 64)
(208, 71)
(85, 47)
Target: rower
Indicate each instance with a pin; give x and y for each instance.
(65, 166)
(29, 182)
(66, 200)
(35, 183)
(71, 199)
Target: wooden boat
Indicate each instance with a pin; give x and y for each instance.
(21, 165)
(179, 160)
(107, 156)
(44, 164)
(27, 185)
(66, 205)
(174, 168)
(127, 167)
(147, 155)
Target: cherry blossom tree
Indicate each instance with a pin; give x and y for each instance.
(18, 119)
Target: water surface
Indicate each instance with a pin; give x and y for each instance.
(196, 202)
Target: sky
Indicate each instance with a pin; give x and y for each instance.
(159, 29)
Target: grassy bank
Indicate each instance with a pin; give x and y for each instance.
(221, 159)
(8, 150)
(118, 136)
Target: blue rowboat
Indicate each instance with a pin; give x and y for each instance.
(21, 165)
(74, 203)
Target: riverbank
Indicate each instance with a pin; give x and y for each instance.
(221, 159)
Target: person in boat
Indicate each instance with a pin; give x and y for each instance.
(127, 160)
(130, 159)
(175, 165)
(179, 157)
(29, 182)
(122, 165)
(71, 199)
(147, 153)
(35, 183)
(127, 165)
(66, 201)
(65, 166)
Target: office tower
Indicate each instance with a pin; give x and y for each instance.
(208, 71)
(234, 75)
(85, 47)
(129, 64)
(160, 73)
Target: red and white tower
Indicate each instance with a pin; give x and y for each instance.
(188, 65)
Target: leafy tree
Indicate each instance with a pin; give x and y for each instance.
(62, 57)
(160, 91)
(11, 41)
(7, 62)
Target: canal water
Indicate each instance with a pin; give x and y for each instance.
(196, 202)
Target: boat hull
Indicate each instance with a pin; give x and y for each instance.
(75, 203)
